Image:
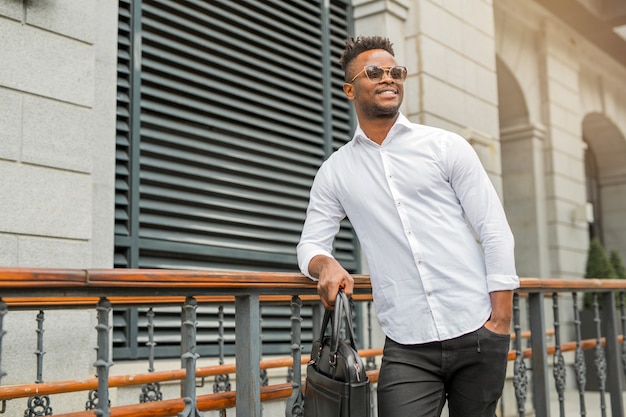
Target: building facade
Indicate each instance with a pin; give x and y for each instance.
(105, 160)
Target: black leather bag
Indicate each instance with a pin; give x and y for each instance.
(336, 382)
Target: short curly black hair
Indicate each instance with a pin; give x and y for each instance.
(360, 44)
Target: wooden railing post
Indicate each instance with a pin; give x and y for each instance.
(539, 359)
(615, 371)
(248, 355)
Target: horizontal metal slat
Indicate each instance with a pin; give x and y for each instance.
(255, 75)
(242, 188)
(236, 136)
(223, 119)
(238, 108)
(185, 255)
(181, 88)
(289, 222)
(281, 17)
(253, 24)
(216, 234)
(223, 161)
(207, 149)
(258, 219)
(233, 42)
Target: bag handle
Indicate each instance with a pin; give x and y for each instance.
(342, 311)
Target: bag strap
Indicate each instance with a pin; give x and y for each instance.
(341, 312)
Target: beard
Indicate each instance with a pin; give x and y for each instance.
(374, 111)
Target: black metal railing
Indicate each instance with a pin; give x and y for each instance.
(548, 324)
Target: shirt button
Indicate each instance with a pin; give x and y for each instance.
(419, 262)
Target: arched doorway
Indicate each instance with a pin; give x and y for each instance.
(605, 169)
(523, 176)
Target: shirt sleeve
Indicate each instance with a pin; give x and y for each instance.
(323, 217)
(484, 212)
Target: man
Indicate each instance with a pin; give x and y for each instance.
(411, 192)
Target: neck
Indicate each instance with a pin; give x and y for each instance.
(377, 129)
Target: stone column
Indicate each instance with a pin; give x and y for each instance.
(523, 174)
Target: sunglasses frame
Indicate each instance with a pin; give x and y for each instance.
(386, 70)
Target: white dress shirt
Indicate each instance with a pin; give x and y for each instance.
(410, 201)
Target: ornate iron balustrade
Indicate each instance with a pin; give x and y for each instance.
(38, 289)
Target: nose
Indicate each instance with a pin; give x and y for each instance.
(387, 75)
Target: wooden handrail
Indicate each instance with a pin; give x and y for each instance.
(81, 302)
(59, 387)
(18, 283)
(28, 281)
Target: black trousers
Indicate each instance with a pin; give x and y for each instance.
(468, 372)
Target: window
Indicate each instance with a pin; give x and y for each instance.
(225, 112)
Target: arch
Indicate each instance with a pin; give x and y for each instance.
(522, 175)
(605, 168)
(513, 110)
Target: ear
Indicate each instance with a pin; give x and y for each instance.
(348, 89)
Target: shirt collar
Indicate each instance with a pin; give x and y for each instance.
(401, 124)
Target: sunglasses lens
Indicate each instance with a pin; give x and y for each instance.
(398, 73)
(374, 72)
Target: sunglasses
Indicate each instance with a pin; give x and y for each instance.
(376, 73)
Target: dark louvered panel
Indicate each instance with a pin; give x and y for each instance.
(123, 140)
(231, 130)
(223, 119)
(342, 124)
(342, 116)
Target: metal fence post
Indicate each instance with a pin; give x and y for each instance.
(615, 376)
(295, 403)
(520, 377)
(103, 363)
(580, 368)
(151, 391)
(39, 405)
(222, 381)
(539, 359)
(189, 357)
(248, 355)
(4, 309)
(558, 361)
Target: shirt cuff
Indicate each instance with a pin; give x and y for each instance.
(496, 282)
(306, 257)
